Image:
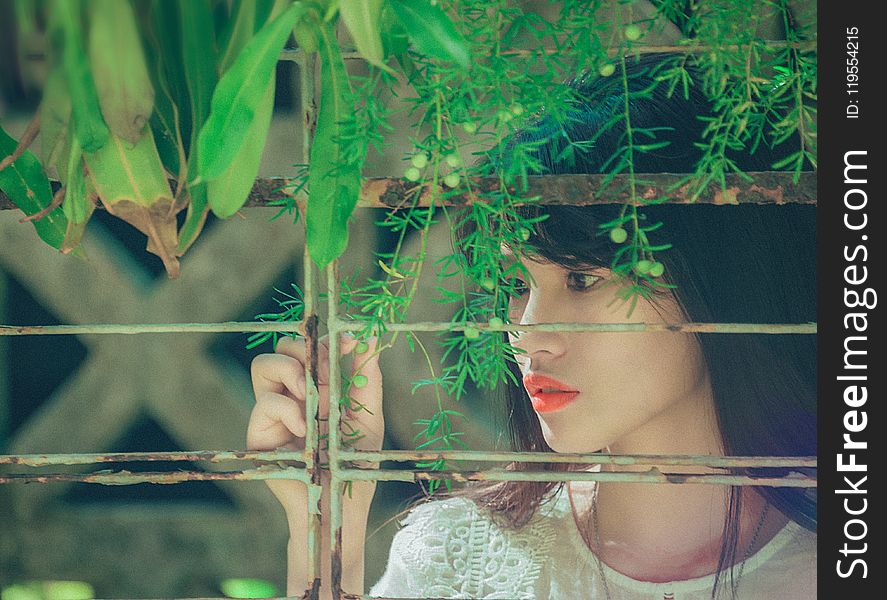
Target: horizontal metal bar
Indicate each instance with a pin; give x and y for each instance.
(588, 458)
(124, 477)
(299, 328)
(296, 54)
(781, 328)
(652, 475)
(765, 187)
(43, 460)
(127, 329)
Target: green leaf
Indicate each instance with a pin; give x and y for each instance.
(171, 120)
(248, 588)
(228, 192)
(28, 187)
(77, 205)
(243, 26)
(55, 118)
(132, 185)
(239, 94)
(394, 37)
(87, 114)
(199, 59)
(431, 31)
(117, 59)
(334, 184)
(363, 18)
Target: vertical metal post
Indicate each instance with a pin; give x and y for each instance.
(312, 435)
(336, 484)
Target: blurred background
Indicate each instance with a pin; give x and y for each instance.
(174, 392)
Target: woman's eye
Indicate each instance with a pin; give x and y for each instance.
(515, 287)
(582, 281)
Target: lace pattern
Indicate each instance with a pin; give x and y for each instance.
(449, 549)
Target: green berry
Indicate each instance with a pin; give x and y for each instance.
(469, 127)
(472, 333)
(488, 284)
(606, 69)
(454, 160)
(496, 322)
(360, 381)
(419, 160)
(361, 347)
(504, 116)
(524, 234)
(516, 109)
(618, 235)
(632, 32)
(412, 174)
(643, 266)
(657, 269)
(452, 180)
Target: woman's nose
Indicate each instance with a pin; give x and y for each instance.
(538, 310)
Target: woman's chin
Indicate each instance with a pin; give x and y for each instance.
(564, 444)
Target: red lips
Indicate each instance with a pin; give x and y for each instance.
(557, 394)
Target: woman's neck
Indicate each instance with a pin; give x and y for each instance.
(670, 532)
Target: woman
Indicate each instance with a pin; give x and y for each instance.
(624, 393)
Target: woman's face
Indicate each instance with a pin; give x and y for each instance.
(638, 392)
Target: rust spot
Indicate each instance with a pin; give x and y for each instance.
(730, 197)
(777, 195)
(393, 195)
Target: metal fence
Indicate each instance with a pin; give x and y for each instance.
(770, 187)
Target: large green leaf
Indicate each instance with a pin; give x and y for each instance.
(77, 206)
(171, 120)
(334, 184)
(431, 31)
(132, 185)
(242, 22)
(228, 192)
(28, 187)
(65, 24)
(363, 19)
(248, 16)
(119, 68)
(199, 57)
(239, 94)
(55, 118)
(198, 43)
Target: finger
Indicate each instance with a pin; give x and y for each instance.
(279, 374)
(274, 422)
(297, 348)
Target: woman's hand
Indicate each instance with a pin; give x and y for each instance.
(279, 420)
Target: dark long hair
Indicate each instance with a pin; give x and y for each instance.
(733, 264)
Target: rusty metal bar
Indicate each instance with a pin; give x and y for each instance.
(766, 187)
(307, 68)
(587, 458)
(124, 477)
(215, 456)
(335, 416)
(300, 328)
(294, 54)
(274, 456)
(652, 475)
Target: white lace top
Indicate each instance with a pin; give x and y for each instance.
(452, 549)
